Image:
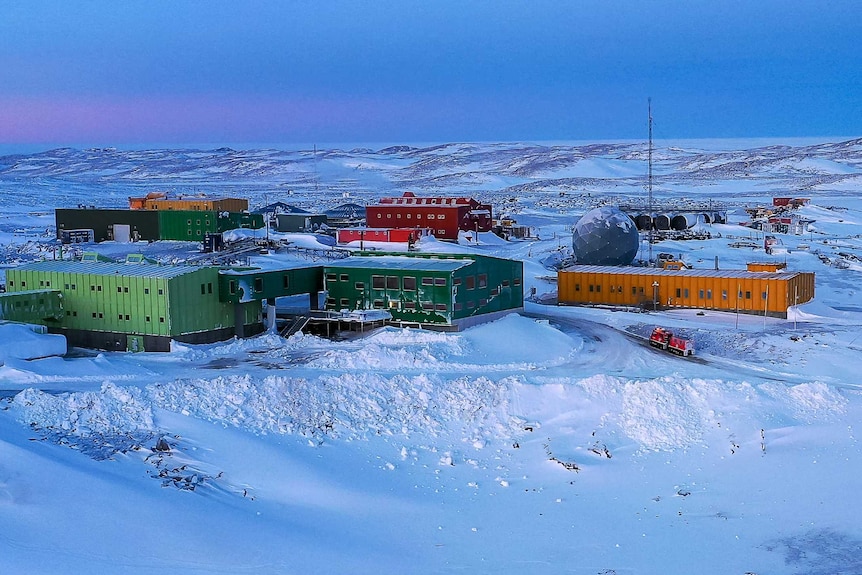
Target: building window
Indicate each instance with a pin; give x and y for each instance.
(409, 283)
(591, 288)
(203, 289)
(441, 307)
(66, 286)
(378, 304)
(709, 294)
(345, 302)
(700, 294)
(161, 291)
(634, 290)
(379, 216)
(120, 317)
(389, 216)
(577, 287)
(427, 305)
(285, 282)
(678, 292)
(483, 301)
(94, 315)
(146, 291)
(724, 294)
(516, 281)
(161, 320)
(598, 288)
(483, 280)
(127, 317)
(344, 277)
(258, 284)
(378, 282)
(458, 306)
(431, 216)
(471, 282)
(439, 281)
(331, 277)
(147, 319)
(231, 287)
(409, 305)
(428, 281)
(101, 316)
(98, 288)
(747, 295)
(392, 282)
(471, 304)
(209, 287)
(456, 281)
(359, 286)
(685, 293)
(763, 295)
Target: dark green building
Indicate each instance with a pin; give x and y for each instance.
(448, 291)
(151, 225)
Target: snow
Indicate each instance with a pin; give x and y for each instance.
(552, 440)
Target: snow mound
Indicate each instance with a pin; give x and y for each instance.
(22, 341)
(352, 406)
(110, 411)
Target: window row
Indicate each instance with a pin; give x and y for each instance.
(409, 216)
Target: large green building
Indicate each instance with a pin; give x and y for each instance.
(136, 307)
(151, 225)
(447, 291)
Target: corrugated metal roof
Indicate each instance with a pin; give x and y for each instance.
(107, 268)
(642, 271)
(401, 263)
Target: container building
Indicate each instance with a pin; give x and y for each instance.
(770, 292)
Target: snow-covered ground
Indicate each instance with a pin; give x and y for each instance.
(548, 441)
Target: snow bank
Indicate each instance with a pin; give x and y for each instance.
(110, 411)
(22, 341)
(351, 406)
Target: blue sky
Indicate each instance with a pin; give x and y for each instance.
(133, 73)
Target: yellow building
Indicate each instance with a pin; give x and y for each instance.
(757, 292)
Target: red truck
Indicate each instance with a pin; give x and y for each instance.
(665, 339)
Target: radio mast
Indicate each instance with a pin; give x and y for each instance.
(649, 182)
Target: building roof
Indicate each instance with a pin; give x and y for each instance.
(402, 263)
(704, 273)
(108, 268)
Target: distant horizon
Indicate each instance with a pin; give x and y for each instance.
(727, 143)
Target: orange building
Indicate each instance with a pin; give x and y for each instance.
(756, 292)
(160, 201)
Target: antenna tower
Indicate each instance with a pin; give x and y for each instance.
(649, 181)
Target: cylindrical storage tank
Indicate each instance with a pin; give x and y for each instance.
(683, 221)
(662, 221)
(643, 221)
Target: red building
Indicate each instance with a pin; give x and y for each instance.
(444, 216)
(403, 235)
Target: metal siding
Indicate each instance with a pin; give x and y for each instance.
(145, 223)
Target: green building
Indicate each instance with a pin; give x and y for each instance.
(447, 291)
(136, 307)
(151, 225)
(31, 306)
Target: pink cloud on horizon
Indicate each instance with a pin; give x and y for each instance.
(205, 119)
